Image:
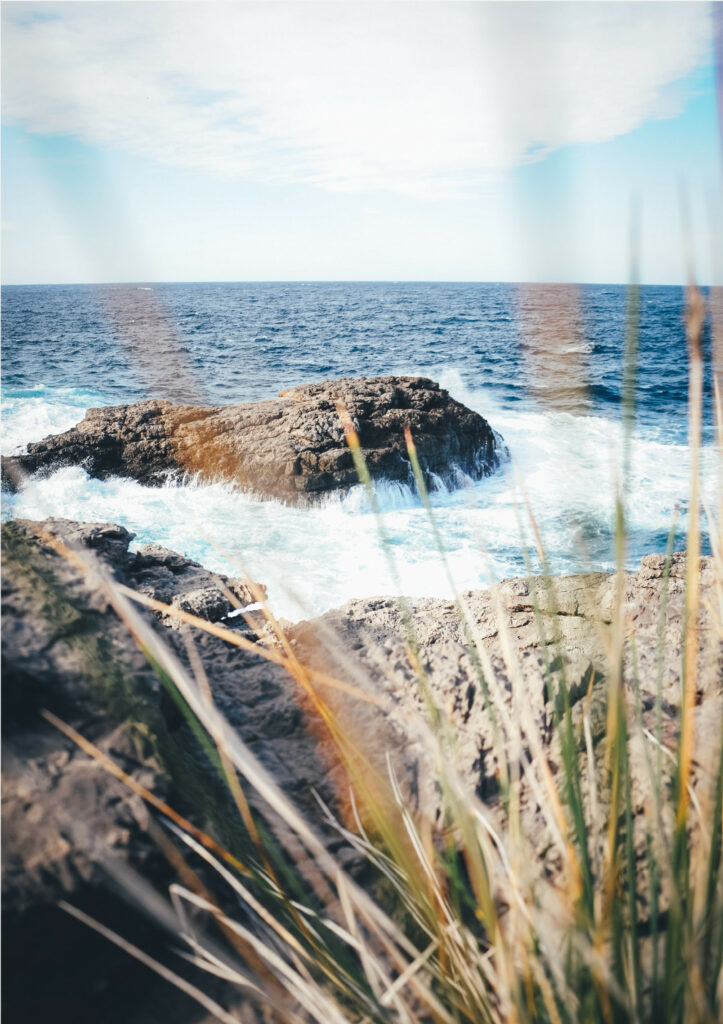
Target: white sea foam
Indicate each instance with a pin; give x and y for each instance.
(313, 559)
(33, 415)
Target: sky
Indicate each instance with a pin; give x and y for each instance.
(458, 141)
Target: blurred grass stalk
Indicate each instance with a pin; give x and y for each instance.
(470, 927)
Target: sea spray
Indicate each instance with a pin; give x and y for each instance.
(317, 557)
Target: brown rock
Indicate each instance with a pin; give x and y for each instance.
(291, 447)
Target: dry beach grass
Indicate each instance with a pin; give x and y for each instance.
(586, 885)
(583, 883)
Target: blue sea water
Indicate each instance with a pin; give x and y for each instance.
(544, 364)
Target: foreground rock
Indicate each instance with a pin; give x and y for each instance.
(69, 830)
(525, 660)
(290, 447)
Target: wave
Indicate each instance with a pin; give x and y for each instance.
(317, 557)
(33, 414)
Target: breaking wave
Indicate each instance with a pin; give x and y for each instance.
(317, 557)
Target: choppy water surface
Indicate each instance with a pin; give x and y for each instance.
(542, 364)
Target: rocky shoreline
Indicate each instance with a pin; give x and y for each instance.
(290, 448)
(71, 831)
(66, 823)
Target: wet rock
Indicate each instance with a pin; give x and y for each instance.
(291, 447)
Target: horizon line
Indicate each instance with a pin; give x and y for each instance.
(382, 280)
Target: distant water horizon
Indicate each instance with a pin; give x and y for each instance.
(543, 363)
(347, 280)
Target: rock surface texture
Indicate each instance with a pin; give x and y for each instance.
(69, 830)
(524, 655)
(291, 447)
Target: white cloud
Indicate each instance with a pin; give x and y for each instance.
(420, 98)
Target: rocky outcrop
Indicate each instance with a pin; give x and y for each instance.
(66, 823)
(291, 447)
(529, 643)
(65, 649)
(69, 830)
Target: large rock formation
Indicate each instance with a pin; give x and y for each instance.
(291, 447)
(68, 828)
(528, 643)
(65, 822)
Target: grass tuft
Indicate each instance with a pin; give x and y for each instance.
(461, 919)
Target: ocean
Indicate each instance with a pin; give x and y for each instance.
(543, 364)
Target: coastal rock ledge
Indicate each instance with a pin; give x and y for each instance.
(291, 447)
